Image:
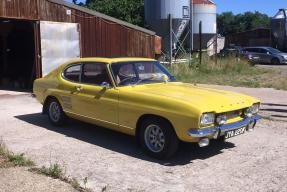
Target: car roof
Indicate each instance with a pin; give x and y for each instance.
(109, 60)
(257, 47)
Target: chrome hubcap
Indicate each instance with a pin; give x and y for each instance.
(154, 138)
(54, 111)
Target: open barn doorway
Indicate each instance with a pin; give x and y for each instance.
(17, 54)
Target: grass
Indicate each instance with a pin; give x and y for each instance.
(11, 159)
(229, 71)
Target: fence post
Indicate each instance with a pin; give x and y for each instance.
(200, 42)
(170, 39)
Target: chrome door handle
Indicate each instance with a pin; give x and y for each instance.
(79, 88)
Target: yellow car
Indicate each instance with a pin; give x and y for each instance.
(140, 97)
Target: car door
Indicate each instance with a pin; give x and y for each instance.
(96, 98)
(266, 56)
(70, 86)
(256, 54)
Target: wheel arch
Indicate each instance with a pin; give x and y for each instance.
(46, 102)
(145, 116)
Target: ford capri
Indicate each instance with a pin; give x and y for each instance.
(140, 97)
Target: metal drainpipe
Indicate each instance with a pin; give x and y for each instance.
(191, 32)
(285, 30)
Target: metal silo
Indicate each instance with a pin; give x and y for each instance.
(279, 30)
(204, 11)
(157, 16)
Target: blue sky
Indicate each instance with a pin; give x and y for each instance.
(240, 6)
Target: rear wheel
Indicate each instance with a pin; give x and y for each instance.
(275, 61)
(55, 112)
(158, 138)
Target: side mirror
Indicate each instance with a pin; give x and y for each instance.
(105, 85)
(165, 78)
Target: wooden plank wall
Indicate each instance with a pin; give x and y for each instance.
(99, 37)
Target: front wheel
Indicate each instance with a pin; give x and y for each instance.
(275, 61)
(158, 138)
(55, 112)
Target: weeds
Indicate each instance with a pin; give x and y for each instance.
(57, 172)
(14, 159)
(9, 159)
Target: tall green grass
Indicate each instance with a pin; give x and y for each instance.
(226, 71)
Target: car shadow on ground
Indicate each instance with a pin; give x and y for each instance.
(122, 143)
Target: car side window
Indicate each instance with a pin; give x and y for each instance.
(257, 50)
(248, 50)
(73, 73)
(263, 51)
(95, 74)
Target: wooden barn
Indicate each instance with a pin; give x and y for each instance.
(38, 35)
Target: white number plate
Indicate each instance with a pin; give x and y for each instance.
(235, 132)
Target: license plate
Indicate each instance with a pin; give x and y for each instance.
(235, 132)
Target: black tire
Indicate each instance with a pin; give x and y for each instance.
(171, 141)
(275, 61)
(61, 116)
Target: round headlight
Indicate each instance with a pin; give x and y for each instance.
(254, 108)
(207, 119)
(221, 119)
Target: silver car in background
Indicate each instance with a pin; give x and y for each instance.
(264, 55)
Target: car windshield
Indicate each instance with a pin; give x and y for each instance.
(140, 72)
(272, 50)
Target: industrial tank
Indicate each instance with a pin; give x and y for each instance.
(279, 30)
(157, 17)
(204, 11)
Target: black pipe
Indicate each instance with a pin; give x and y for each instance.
(285, 30)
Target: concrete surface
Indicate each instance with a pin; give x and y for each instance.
(21, 180)
(254, 161)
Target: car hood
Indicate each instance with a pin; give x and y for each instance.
(205, 99)
(282, 54)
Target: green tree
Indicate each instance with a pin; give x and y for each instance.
(229, 23)
(131, 11)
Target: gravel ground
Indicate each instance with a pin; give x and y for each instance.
(20, 179)
(255, 161)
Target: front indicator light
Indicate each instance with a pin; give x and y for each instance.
(221, 119)
(247, 112)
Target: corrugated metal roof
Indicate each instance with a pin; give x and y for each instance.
(209, 2)
(103, 16)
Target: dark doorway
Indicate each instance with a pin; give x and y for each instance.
(17, 54)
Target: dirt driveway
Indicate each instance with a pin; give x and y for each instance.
(255, 161)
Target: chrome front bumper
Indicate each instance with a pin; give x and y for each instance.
(215, 131)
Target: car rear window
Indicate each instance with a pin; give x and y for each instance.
(73, 73)
(95, 74)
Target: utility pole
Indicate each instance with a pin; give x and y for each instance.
(170, 39)
(190, 32)
(200, 42)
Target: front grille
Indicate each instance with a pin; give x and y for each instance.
(233, 114)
